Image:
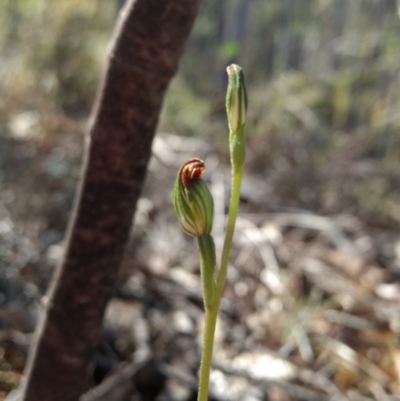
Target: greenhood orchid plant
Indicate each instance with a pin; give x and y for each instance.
(194, 208)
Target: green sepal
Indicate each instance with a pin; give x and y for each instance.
(236, 98)
(192, 199)
(236, 109)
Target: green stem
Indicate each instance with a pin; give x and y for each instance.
(230, 229)
(207, 268)
(208, 346)
(236, 107)
(212, 310)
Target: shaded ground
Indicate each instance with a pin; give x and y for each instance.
(311, 309)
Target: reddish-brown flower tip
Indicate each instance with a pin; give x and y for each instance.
(192, 171)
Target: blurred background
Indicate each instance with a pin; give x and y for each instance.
(312, 307)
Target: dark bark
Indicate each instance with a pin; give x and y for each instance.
(148, 43)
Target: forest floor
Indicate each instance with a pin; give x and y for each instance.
(311, 309)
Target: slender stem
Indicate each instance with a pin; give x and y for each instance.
(236, 107)
(233, 210)
(207, 268)
(208, 346)
(212, 311)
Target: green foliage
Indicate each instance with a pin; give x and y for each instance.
(315, 66)
(57, 48)
(229, 50)
(184, 112)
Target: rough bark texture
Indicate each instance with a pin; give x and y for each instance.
(149, 40)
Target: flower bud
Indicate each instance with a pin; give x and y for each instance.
(236, 98)
(192, 199)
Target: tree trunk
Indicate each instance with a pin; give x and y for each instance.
(148, 43)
